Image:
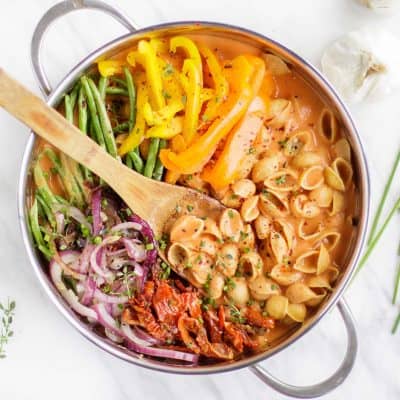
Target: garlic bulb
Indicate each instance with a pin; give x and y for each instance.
(387, 6)
(363, 63)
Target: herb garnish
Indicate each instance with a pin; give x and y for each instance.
(165, 270)
(7, 311)
(236, 315)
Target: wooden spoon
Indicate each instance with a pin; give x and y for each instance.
(156, 202)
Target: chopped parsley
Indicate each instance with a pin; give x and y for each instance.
(230, 214)
(163, 242)
(202, 243)
(251, 150)
(189, 208)
(166, 95)
(206, 286)
(281, 180)
(168, 69)
(236, 315)
(165, 270)
(229, 284)
(283, 143)
(246, 250)
(149, 246)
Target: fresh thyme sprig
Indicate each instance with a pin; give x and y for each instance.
(7, 311)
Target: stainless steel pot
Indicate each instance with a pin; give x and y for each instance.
(320, 85)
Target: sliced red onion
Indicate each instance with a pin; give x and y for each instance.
(94, 262)
(162, 353)
(119, 262)
(60, 222)
(68, 294)
(125, 226)
(84, 259)
(74, 213)
(104, 318)
(96, 210)
(131, 336)
(105, 298)
(112, 336)
(88, 294)
(135, 250)
(146, 337)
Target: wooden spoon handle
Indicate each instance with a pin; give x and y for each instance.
(55, 129)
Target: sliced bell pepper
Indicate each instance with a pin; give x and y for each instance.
(146, 56)
(110, 67)
(221, 86)
(167, 130)
(193, 103)
(136, 135)
(238, 144)
(161, 116)
(245, 78)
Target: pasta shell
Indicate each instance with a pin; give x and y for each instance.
(249, 210)
(231, 224)
(228, 259)
(342, 149)
(339, 174)
(302, 207)
(324, 260)
(307, 262)
(262, 225)
(207, 244)
(306, 159)
(329, 238)
(320, 294)
(247, 239)
(285, 275)
(297, 312)
(238, 292)
(251, 265)
(277, 306)
(231, 200)
(261, 288)
(266, 167)
(275, 65)
(312, 177)
(327, 125)
(323, 280)
(309, 229)
(279, 247)
(216, 288)
(200, 267)
(244, 188)
(322, 195)
(211, 228)
(337, 203)
(278, 113)
(273, 204)
(299, 141)
(284, 180)
(178, 256)
(186, 228)
(286, 229)
(300, 293)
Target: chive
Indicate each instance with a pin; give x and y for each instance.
(383, 198)
(375, 240)
(396, 285)
(396, 324)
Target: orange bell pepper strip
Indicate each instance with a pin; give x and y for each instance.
(110, 67)
(146, 56)
(238, 144)
(137, 134)
(245, 79)
(221, 85)
(193, 103)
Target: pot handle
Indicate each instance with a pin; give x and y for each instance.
(57, 11)
(319, 389)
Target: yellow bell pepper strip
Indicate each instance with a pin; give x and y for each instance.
(136, 135)
(110, 67)
(221, 85)
(238, 144)
(161, 116)
(177, 144)
(244, 79)
(146, 56)
(206, 94)
(190, 49)
(160, 46)
(193, 104)
(167, 130)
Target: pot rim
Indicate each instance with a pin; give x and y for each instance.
(364, 193)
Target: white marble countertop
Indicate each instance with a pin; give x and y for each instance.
(48, 359)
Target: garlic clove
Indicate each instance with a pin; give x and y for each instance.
(363, 63)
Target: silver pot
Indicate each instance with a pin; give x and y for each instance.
(320, 85)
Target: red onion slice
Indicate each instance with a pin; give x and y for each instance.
(135, 250)
(88, 294)
(131, 336)
(68, 294)
(74, 213)
(105, 298)
(60, 222)
(105, 319)
(125, 226)
(146, 337)
(94, 264)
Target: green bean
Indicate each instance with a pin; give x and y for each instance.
(151, 157)
(159, 167)
(94, 116)
(69, 112)
(117, 91)
(105, 123)
(121, 127)
(121, 82)
(52, 156)
(137, 160)
(71, 186)
(41, 183)
(396, 324)
(382, 200)
(132, 98)
(128, 161)
(61, 199)
(36, 232)
(74, 95)
(46, 208)
(103, 83)
(82, 111)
